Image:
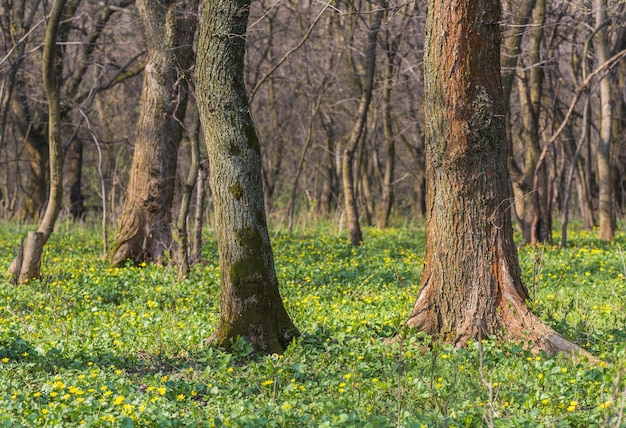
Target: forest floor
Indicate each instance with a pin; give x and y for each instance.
(90, 345)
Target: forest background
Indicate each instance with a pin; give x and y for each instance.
(305, 69)
(355, 70)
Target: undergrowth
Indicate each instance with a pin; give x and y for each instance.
(90, 345)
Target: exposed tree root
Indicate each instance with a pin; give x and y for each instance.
(512, 320)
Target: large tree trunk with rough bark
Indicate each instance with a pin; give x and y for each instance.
(144, 233)
(471, 285)
(251, 306)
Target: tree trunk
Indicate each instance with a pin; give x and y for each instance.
(30, 265)
(567, 191)
(349, 151)
(203, 172)
(330, 188)
(182, 233)
(471, 285)
(75, 200)
(37, 147)
(18, 21)
(605, 195)
(144, 232)
(251, 306)
(291, 207)
(519, 13)
(386, 198)
(533, 208)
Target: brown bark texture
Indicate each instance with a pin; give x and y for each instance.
(144, 232)
(251, 306)
(471, 285)
(605, 183)
(27, 265)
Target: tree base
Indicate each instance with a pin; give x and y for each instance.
(27, 264)
(263, 339)
(511, 320)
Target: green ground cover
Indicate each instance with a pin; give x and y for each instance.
(89, 345)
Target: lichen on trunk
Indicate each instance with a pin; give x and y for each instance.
(251, 306)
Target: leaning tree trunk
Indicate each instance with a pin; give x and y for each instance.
(144, 233)
(471, 285)
(27, 264)
(251, 306)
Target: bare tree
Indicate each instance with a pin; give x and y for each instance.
(144, 230)
(29, 267)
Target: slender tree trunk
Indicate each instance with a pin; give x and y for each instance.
(144, 232)
(75, 199)
(251, 306)
(291, 207)
(37, 147)
(533, 208)
(603, 157)
(330, 187)
(349, 151)
(198, 216)
(366, 195)
(18, 22)
(30, 266)
(570, 176)
(471, 285)
(520, 13)
(187, 189)
(386, 199)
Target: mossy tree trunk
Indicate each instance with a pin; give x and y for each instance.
(251, 306)
(144, 232)
(471, 285)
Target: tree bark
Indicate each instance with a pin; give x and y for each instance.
(349, 151)
(251, 306)
(75, 200)
(533, 207)
(188, 184)
(471, 285)
(196, 254)
(330, 187)
(30, 265)
(386, 198)
(144, 232)
(603, 154)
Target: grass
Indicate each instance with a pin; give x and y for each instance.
(89, 345)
